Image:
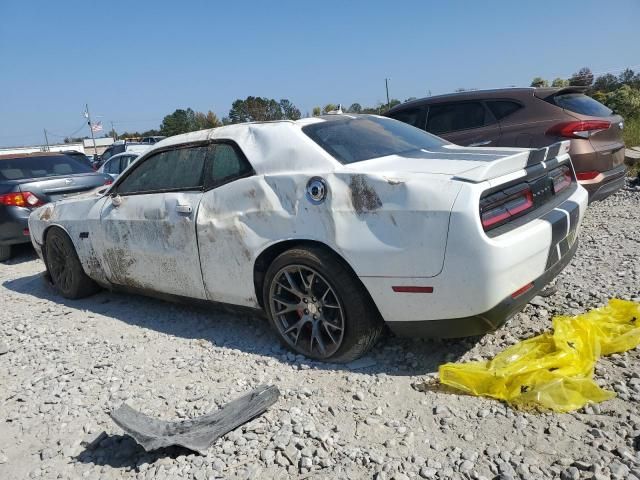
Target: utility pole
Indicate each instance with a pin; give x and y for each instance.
(88, 115)
(46, 139)
(115, 134)
(386, 84)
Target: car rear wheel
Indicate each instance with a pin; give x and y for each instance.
(64, 266)
(5, 252)
(318, 307)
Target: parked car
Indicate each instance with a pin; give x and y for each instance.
(331, 224)
(81, 157)
(30, 180)
(121, 147)
(117, 164)
(530, 117)
(153, 139)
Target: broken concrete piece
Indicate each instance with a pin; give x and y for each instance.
(3, 348)
(199, 433)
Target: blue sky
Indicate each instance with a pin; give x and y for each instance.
(135, 62)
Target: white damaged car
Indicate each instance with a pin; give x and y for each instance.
(334, 225)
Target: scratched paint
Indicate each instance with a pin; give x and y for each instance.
(386, 218)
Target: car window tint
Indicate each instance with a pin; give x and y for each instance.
(412, 116)
(109, 167)
(582, 104)
(40, 166)
(503, 108)
(228, 164)
(354, 139)
(456, 116)
(177, 169)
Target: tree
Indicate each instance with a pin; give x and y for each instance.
(606, 83)
(180, 121)
(289, 110)
(539, 82)
(560, 82)
(355, 108)
(256, 109)
(204, 121)
(583, 78)
(625, 101)
(329, 107)
(317, 111)
(113, 134)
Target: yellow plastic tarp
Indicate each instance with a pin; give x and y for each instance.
(553, 371)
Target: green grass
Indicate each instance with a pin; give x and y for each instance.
(632, 132)
(632, 139)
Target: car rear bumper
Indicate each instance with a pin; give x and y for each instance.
(478, 287)
(605, 184)
(13, 225)
(484, 322)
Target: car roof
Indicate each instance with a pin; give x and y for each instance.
(541, 92)
(123, 154)
(271, 146)
(11, 156)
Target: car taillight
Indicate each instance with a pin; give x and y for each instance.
(578, 129)
(21, 199)
(108, 181)
(498, 208)
(561, 178)
(590, 175)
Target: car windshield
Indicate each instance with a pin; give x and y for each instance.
(354, 139)
(582, 104)
(20, 168)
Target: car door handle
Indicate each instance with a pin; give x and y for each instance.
(479, 144)
(184, 208)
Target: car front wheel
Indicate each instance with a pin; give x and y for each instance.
(64, 266)
(318, 307)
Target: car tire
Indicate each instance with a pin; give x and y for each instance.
(5, 252)
(63, 265)
(318, 307)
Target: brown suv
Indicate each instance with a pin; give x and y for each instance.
(530, 117)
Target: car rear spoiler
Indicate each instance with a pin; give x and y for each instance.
(545, 93)
(513, 163)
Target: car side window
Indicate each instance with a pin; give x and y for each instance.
(228, 163)
(412, 116)
(451, 117)
(503, 108)
(110, 166)
(177, 169)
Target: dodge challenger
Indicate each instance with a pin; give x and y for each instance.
(335, 226)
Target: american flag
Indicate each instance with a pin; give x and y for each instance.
(96, 127)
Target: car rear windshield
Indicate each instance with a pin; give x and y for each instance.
(21, 168)
(355, 139)
(582, 104)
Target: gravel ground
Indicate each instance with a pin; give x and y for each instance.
(70, 362)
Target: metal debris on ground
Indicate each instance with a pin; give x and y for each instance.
(553, 371)
(199, 433)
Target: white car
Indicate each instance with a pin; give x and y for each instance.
(118, 164)
(333, 225)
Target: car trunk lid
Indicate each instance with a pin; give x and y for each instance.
(52, 189)
(472, 164)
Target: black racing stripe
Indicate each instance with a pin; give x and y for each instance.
(552, 258)
(564, 246)
(553, 151)
(536, 156)
(559, 225)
